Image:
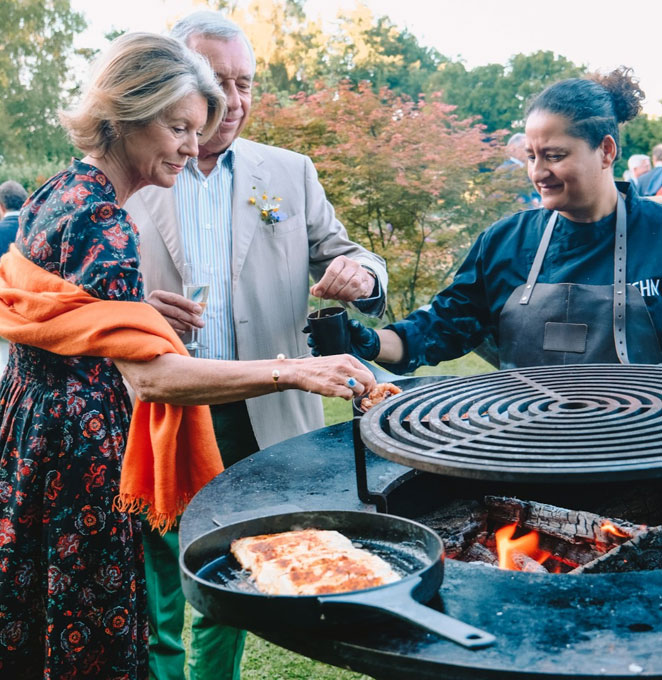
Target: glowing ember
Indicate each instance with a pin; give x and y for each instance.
(509, 549)
(609, 528)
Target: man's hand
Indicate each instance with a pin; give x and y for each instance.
(180, 313)
(344, 279)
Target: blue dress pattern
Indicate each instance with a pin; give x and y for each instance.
(72, 586)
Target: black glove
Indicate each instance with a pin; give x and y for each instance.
(364, 341)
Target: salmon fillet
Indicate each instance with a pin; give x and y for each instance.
(310, 562)
(377, 394)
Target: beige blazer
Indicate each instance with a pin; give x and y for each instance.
(271, 266)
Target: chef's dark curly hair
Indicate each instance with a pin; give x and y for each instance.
(594, 106)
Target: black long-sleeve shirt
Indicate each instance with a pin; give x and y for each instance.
(461, 316)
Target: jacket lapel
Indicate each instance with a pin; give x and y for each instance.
(249, 172)
(160, 204)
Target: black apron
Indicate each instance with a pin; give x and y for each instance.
(545, 324)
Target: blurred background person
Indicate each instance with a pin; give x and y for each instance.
(638, 164)
(12, 197)
(650, 183)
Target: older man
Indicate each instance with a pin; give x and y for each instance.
(650, 183)
(638, 165)
(260, 217)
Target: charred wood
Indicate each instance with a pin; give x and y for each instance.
(573, 526)
(477, 552)
(642, 553)
(459, 523)
(525, 563)
(571, 554)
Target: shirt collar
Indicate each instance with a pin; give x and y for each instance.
(227, 158)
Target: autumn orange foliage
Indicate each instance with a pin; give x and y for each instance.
(408, 179)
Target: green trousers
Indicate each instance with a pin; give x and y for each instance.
(216, 650)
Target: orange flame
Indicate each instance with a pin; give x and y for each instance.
(527, 544)
(609, 528)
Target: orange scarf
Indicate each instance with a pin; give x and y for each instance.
(171, 451)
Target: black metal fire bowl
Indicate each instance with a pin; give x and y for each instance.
(547, 625)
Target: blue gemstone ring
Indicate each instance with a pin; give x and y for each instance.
(351, 382)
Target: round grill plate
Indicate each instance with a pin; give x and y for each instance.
(574, 423)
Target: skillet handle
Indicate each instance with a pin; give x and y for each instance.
(398, 601)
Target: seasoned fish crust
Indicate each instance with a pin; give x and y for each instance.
(310, 562)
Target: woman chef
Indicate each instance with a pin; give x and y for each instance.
(576, 281)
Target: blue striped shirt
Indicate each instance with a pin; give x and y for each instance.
(204, 207)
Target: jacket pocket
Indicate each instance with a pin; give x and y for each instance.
(285, 227)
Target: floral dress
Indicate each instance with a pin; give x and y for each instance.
(72, 590)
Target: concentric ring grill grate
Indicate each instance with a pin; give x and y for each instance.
(549, 423)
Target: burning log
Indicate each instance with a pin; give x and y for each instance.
(642, 553)
(459, 523)
(477, 552)
(525, 563)
(573, 526)
(519, 553)
(559, 540)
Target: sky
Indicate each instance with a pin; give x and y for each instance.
(601, 34)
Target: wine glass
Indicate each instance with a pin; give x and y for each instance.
(196, 282)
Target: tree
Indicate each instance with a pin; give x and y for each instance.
(289, 49)
(365, 48)
(410, 180)
(35, 77)
(498, 93)
(294, 52)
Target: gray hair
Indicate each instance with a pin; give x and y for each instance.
(636, 160)
(12, 195)
(517, 139)
(211, 25)
(657, 153)
(135, 82)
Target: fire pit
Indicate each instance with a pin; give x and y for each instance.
(547, 625)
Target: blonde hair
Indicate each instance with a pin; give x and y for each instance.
(135, 82)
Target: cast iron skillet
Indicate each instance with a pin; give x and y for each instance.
(214, 584)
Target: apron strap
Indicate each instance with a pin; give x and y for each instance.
(620, 265)
(537, 261)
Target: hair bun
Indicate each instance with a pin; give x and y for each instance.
(625, 92)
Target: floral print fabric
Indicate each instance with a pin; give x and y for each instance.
(72, 591)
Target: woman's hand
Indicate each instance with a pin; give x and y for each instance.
(340, 375)
(180, 313)
(176, 379)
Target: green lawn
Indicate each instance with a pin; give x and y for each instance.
(264, 661)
